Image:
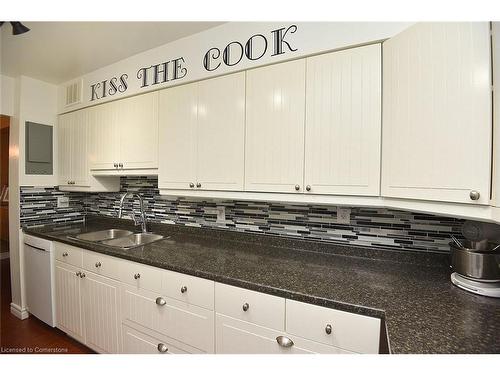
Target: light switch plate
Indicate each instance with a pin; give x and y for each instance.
(343, 215)
(221, 214)
(62, 202)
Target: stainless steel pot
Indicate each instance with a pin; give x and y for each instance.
(481, 265)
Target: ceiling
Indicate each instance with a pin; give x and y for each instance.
(59, 51)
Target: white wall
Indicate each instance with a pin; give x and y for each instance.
(309, 38)
(7, 86)
(35, 101)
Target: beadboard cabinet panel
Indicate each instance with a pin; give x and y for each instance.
(64, 148)
(221, 133)
(437, 113)
(274, 149)
(343, 122)
(101, 304)
(177, 150)
(137, 119)
(68, 301)
(79, 151)
(104, 140)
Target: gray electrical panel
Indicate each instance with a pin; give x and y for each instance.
(39, 158)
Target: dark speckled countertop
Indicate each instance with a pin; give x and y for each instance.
(423, 311)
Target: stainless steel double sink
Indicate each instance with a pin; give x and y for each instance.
(120, 238)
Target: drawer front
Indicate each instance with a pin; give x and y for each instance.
(137, 342)
(254, 307)
(238, 337)
(141, 276)
(102, 264)
(349, 331)
(68, 254)
(178, 320)
(189, 289)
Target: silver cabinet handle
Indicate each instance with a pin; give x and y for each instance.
(297, 187)
(65, 254)
(198, 185)
(245, 306)
(284, 341)
(82, 275)
(191, 185)
(328, 329)
(184, 289)
(162, 348)
(120, 165)
(474, 195)
(78, 273)
(115, 165)
(137, 276)
(308, 187)
(160, 301)
(97, 264)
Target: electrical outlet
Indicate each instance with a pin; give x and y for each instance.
(62, 202)
(221, 214)
(343, 215)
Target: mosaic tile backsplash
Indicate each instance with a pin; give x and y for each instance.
(377, 227)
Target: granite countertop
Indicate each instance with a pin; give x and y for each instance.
(412, 293)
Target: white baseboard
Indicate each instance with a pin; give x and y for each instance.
(4, 255)
(18, 312)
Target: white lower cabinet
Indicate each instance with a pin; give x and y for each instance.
(117, 306)
(236, 336)
(87, 308)
(179, 320)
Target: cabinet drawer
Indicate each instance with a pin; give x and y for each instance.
(238, 337)
(254, 307)
(190, 289)
(191, 325)
(349, 331)
(68, 254)
(137, 342)
(141, 276)
(102, 264)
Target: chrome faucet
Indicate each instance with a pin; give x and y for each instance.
(143, 214)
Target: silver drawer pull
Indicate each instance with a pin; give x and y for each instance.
(184, 289)
(162, 348)
(65, 254)
(328, 329)
(82, 275)
(78, 273)
(284, 341)
(137, 276)
(246, 306)
(97, 264)
(474, 195)
(160, 301)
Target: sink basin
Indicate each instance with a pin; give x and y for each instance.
(133, 240)
(103, 235)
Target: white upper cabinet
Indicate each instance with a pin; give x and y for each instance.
(343, 122)
(437, 113)
(202, 135)
(124, 134)
(221, 133)
(64, 148)
(274, 149)
(177, 155)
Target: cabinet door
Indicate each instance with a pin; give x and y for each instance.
(437, 113)
(104, 136)
(79, 152)
(343, 122)
(64, 126)
(274, 146)
(137, 122)
(177, 133)
(235, 336)
(221, 133)
(101, 302)
(68, 301)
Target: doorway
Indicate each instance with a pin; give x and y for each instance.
(4, 186)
